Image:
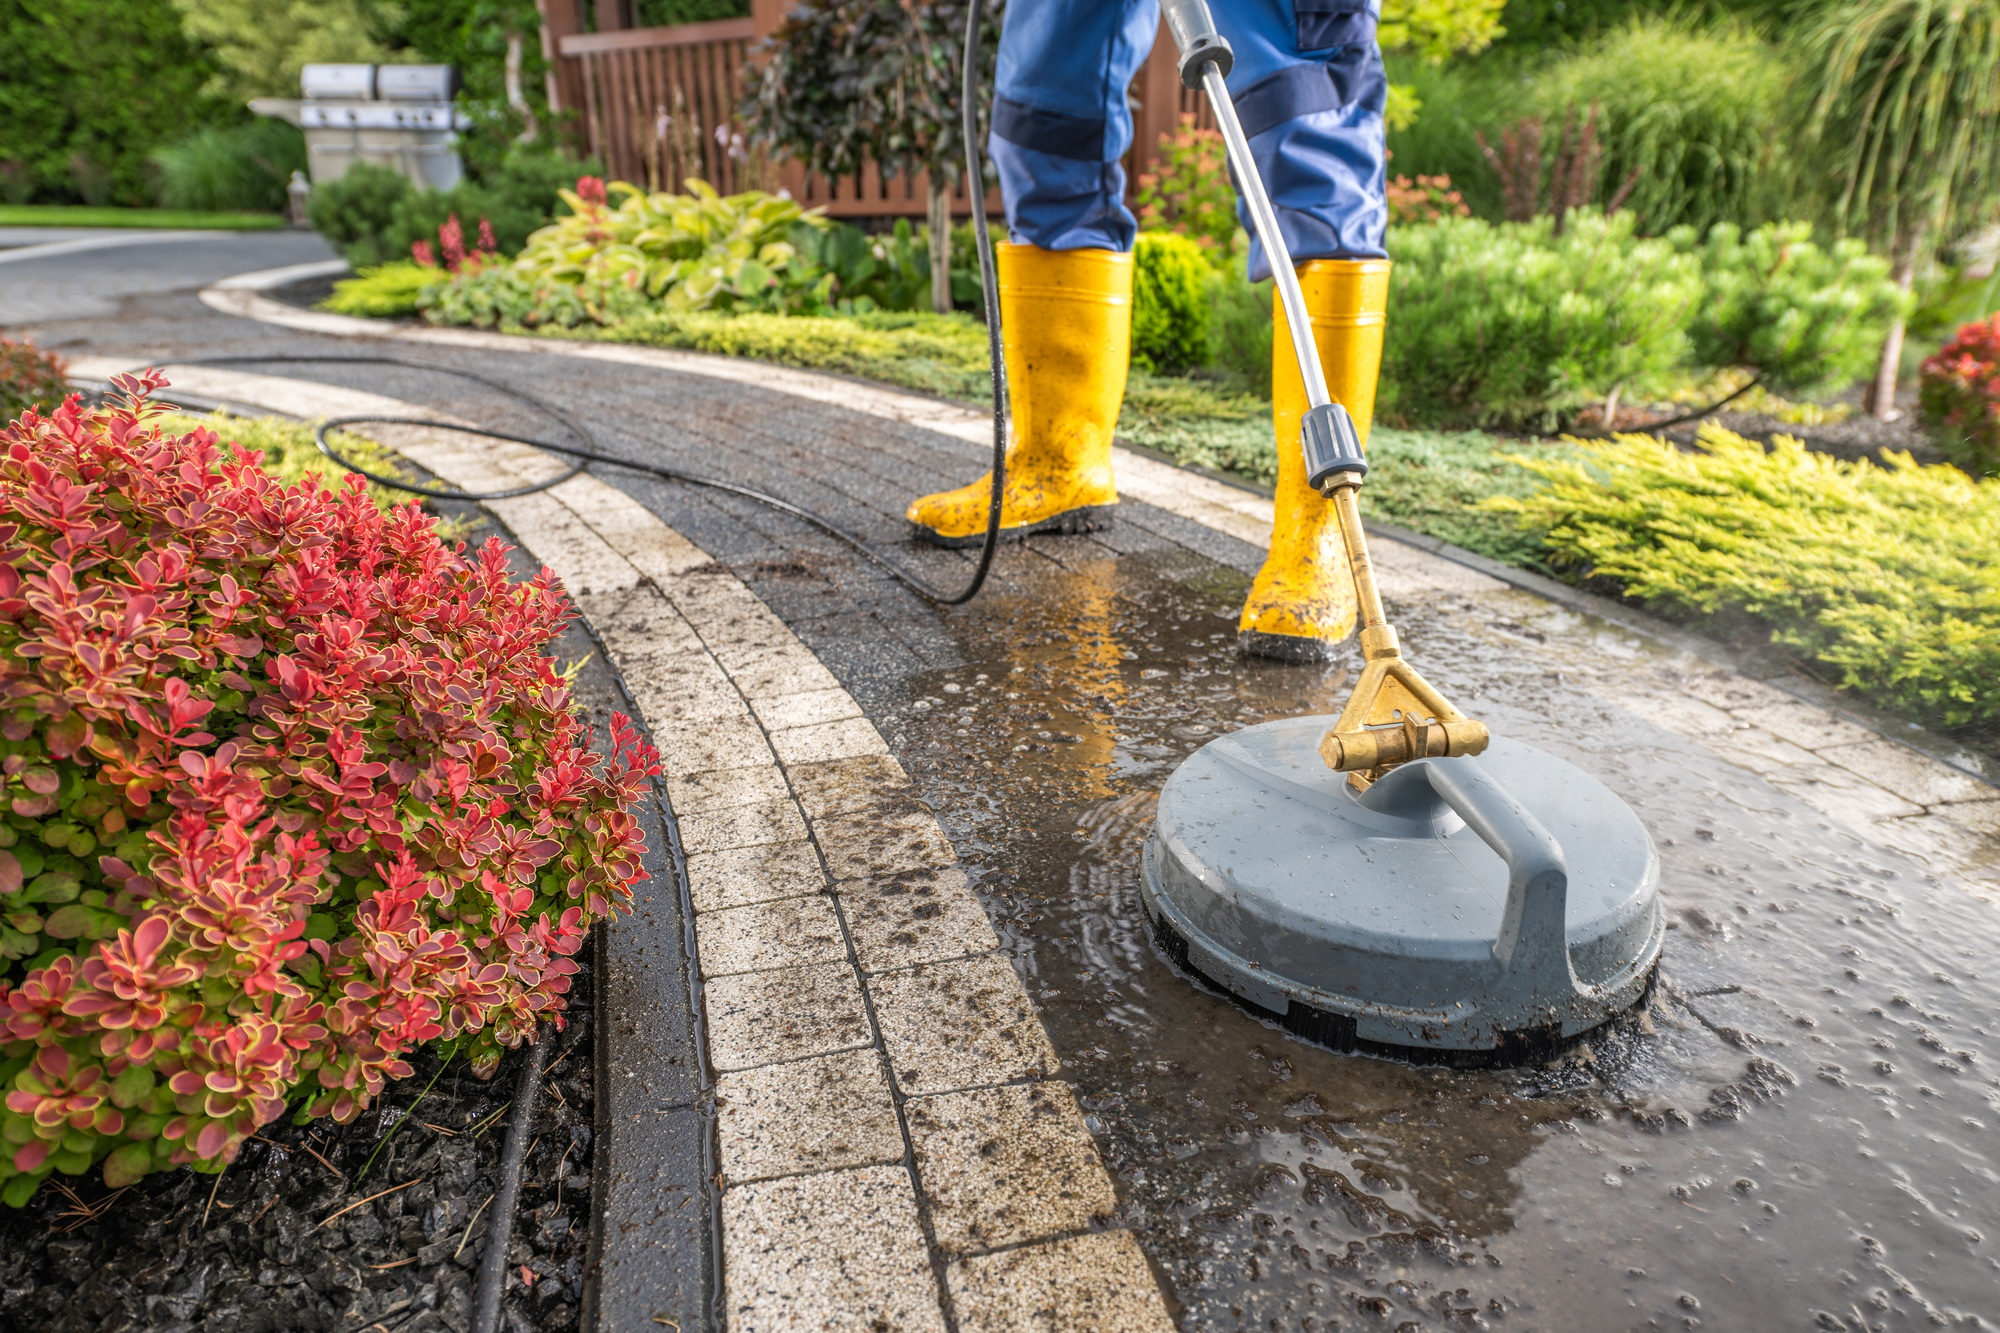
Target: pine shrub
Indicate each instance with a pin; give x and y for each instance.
(289, 788)
(1887, 576)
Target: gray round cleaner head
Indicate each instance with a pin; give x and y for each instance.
(1462, 910)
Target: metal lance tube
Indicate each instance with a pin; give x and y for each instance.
(1359, 744)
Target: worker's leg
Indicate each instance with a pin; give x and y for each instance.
(1060, 128)
(1309, 88)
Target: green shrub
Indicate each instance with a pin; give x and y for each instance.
(242, 168)
(1696, 112)
(356, 212)
(1887, 576)
(1170, 308)
(92, 87)
(1802, 317)
(1511, 325)
(388, 291)
(372, 215)
(1459, 99)
(1240, 329)
(29, 378)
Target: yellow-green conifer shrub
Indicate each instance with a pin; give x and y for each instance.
(1887, 575)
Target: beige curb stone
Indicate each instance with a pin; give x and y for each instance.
(1005, 1165)
(847, 739)
(725, 788)
(833, 1251)
(845, 786)
(760, 1018)
(1097, 1283)
(821, 1114)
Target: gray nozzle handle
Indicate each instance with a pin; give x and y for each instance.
(1533, 944)
(1195, 34)
(1332, 446)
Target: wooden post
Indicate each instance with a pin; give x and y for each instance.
(613, 15)
(560, 18)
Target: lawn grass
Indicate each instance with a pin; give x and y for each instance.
(166, 219)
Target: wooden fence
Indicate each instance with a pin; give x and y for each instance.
(658, 105)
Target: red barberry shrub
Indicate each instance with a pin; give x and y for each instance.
(1425, 199)
(1959, 391)
(29, 377)
(287, 788)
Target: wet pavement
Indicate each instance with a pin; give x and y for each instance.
(1798, 1132)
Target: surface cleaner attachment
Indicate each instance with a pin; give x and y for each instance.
(1365, 879)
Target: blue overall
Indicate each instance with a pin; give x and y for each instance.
(1308, 85)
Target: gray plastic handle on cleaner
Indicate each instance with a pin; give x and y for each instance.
(1326, 435)
(1533, 944)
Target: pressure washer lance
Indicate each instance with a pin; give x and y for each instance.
(1393, 715)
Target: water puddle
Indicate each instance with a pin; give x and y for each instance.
(1799, 1131)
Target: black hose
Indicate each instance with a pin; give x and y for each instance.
(513, 1156)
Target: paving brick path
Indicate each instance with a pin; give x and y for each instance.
(897, 1140)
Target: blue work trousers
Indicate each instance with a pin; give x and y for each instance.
(1308, 85)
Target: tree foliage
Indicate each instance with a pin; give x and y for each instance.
(262, 44)
(92, 88)
(1907, 112)
(848, 81)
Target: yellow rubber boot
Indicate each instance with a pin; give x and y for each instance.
(1067, 317)
(1302, 604)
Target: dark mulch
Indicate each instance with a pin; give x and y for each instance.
(255, 1251)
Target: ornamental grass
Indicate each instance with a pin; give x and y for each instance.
(287, 789)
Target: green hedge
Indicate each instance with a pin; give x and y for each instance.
(92, 88)
(1170, 314)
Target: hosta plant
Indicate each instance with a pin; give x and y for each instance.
(1960, 394)
(694, 251)
(287, 789)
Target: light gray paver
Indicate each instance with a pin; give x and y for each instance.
(921, 918)
(879, 846)
(1805, 726)
(753, 875)
(1912, 776)
(1096, 1283)
(807, 708)
(721, 742)
(724, 788)
(743, 826)
(1005, 1165)
(821, 1114)
(1846, 798)
(759, 1018)
(848, 786)
(835, 1251)
(959, 1024)
(845, 739)
(792, 932)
